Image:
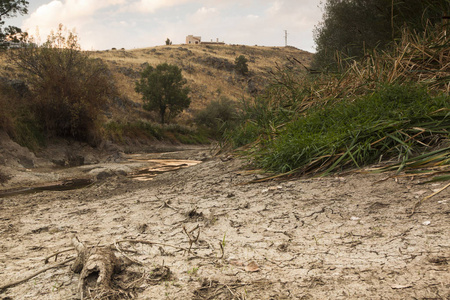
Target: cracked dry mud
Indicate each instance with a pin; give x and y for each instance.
(349, 237)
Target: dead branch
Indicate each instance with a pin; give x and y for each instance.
(418, 203)
(56, 254)
(121, 251)
(192, 239)
(61, 264)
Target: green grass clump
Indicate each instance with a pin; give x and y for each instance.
(396, 121)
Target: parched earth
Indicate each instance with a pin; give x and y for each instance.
(201, 232)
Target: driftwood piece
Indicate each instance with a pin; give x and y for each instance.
(96, 266)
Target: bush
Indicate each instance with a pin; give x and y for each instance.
(69, 88)
(241, 65)
(217, 116)
(4, 178)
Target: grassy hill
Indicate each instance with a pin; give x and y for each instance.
(209, 70)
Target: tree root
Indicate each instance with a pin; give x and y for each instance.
(97, 265)
(14, 283)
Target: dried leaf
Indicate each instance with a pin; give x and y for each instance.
(252, 267)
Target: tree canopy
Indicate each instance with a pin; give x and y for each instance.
(10, 9)
(163, 90)
(351, 27)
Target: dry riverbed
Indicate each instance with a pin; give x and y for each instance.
(211, 236)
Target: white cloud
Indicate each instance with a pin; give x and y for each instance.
(103, 24)
(71, 13)
(151, 6)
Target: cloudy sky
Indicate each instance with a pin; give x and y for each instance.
(103, 24)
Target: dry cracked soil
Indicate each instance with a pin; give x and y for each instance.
(202, 232)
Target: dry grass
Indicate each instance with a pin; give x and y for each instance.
(207, 81)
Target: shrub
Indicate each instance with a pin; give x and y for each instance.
(241, 65)
(17, 118)
(217, 116)
(69, 88)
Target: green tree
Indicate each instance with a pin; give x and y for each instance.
(163, 90)
(240, 64)
(69, 88)
(9, 9)
(168, 42)
(350, 27)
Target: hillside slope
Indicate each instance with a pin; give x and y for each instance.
(209, 70)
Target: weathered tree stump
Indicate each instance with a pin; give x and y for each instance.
(96, 266)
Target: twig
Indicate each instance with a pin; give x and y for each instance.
(222, 250)
(418, 203)
(161, 244)
(166, 204)
(149, 243)
(35, 274)
(56, 254)
(116, 244)
(191, 237)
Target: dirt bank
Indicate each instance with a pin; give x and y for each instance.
(349, 237)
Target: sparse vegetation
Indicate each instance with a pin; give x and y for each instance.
(118, 114)
(127, 132)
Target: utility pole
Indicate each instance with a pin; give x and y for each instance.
(285, 38)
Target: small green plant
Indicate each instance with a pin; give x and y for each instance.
(193, 271)
(223, 240)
